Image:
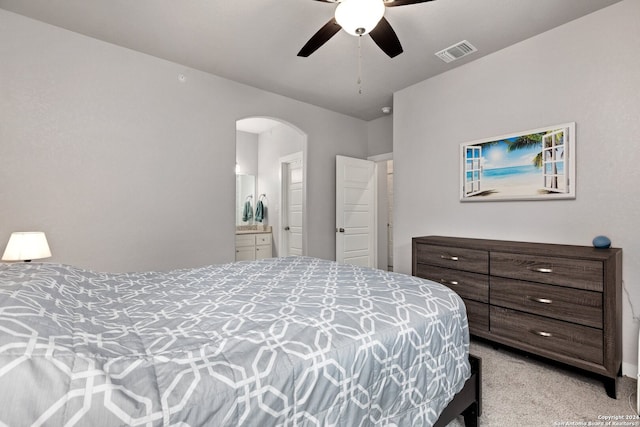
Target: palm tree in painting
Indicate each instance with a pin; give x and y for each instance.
(532, 140)
(527, 141)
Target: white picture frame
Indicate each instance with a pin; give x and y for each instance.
(537, 164)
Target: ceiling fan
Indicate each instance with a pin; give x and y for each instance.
(360, 17)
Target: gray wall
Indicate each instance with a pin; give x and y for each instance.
(247, 153)
(380, 136)
(127, 168)
(585, 71)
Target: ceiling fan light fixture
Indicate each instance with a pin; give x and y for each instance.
(359, 17)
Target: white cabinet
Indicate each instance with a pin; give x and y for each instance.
(263, 246)
(252, 246)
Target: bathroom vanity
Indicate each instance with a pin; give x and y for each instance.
(253, 242)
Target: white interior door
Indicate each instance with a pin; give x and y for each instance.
(291, 229)
(356, 212)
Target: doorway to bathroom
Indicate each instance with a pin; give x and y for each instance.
(261, 145)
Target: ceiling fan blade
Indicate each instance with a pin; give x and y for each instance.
(386, 38)
(402, 2)
(327, 31)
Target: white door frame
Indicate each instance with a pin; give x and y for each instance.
(382, 219)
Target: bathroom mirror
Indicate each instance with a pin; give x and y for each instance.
(245, 191)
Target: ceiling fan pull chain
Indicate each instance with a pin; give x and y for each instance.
(360, 65)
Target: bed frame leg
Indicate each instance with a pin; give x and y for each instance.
(471, 415)
(476, 367)
(474, 411)
(468, 401)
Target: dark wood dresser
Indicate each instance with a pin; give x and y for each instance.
(561, 302)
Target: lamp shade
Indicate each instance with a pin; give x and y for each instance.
(26, 245)
(358, 17)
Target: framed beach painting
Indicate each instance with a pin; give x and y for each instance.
(531, 165)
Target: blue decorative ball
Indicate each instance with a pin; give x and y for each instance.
(601, 242)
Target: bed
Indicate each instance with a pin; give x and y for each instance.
(293, 341)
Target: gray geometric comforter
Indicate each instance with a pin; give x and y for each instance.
(279, 342)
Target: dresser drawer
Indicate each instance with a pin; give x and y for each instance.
(572, 305)
(544, 335)
(458, 258)
(468, 285)
(478, 317)
(575, 273)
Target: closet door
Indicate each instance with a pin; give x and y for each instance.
(356, 212)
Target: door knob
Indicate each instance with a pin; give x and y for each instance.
(286, 228)
(341, 230)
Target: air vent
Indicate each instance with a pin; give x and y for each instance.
(456, 51)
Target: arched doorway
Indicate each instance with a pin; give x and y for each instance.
(262, 145)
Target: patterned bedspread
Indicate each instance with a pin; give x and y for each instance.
(279, 342)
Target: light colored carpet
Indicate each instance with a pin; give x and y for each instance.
(522, 391)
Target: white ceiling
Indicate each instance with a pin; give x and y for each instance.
(256, 41)
(256, 124)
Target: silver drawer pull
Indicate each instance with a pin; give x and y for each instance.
(448, 282)
(542, 333)
(543, 270)
(540, 300)
(450, 258)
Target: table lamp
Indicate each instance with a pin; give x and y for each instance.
(26, 245)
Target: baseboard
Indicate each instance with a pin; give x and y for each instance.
(629, 370)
